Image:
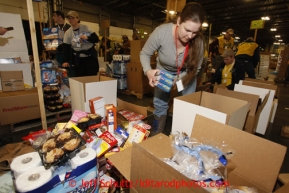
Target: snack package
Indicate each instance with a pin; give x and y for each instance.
(131, 116)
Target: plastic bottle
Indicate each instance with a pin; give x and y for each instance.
(110, 121)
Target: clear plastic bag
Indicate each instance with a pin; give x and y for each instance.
(197, 160)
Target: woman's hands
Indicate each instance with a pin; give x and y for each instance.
(151, 76)
(83, 37)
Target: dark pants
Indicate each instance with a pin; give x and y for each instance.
(249, 68)
(88, 66)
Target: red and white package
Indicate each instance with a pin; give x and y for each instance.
(131, 116)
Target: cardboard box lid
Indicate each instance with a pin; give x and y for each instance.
(260, 81)
(257, 160)
(251, 98)
(283, 189)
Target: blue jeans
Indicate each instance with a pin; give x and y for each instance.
(161, 98)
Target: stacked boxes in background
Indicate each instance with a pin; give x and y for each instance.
(50, 38)
(119, 70)
(137, 81)
(264, 64)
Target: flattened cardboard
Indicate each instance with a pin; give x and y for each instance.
(84, 88)
(19, 106)
(224, 109)
(257, 160)
(11, 81)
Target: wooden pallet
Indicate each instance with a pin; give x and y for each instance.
(130, 92)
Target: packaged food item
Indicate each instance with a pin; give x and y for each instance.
(131, 116)
(57, 149)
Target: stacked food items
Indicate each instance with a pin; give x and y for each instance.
(52, 99)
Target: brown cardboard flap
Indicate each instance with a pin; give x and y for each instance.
(7, 75)
(147, 166)
(192, 98)
(260, 81)
(252, 99)
(122, 161)
(131, 107)
(257, 159)
(223, 86)
(220, 103)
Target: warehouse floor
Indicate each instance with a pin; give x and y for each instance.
(272, 134)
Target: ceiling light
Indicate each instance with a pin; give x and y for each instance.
(265, 18)
(273, 29)
(172, 12)
(276, 43)
(205, 24)
(277, 36)
(237, 38)
(145, 32)
(223, 33)
(280, 40)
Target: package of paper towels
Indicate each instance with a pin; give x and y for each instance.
(83, 157)
(33, 179)
(24, 163)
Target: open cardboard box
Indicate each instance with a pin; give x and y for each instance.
(261, 84)
(266, 111)
(257, 160)
(224, 109)
(123, 105)
(87, 87)
(254, 109)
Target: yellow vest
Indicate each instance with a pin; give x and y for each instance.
(225, 44)
(247, 48)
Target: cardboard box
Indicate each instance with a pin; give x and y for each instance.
(130, 107)
(137, 81)
(265, 114)
(135, 49)
(11, 80)
(253, 157)
(285, 131)
(19, 106)
(87, 87)
(254, 109)
(24, 67)
(224, 109)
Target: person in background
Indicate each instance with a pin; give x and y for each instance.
(219, 45)
(125, 45)
(59, 20)
(2, 31)
(107, 51)
(248, 52)
(134, 36)
(230, 71)
(78, 47)
(180, 47)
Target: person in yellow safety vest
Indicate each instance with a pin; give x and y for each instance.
(219, 45)
(248, 52)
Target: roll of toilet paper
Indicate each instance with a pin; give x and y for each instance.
(25, 162)
(33, 179)
(119, 57)
(83, 157)
(114, 57)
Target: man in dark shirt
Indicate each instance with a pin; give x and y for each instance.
(59, 20)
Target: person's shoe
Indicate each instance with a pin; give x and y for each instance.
(158, 125)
